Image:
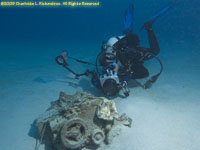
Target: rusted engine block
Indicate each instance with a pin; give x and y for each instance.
(79, 121)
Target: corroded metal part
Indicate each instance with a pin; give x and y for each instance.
(79, 121)
(115, 131)
(98, 136)
(107, 110)
(74, 133)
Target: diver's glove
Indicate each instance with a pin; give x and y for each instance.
(148, 25)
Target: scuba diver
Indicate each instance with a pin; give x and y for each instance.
(122, 58)
(125, 51)
(126, 57)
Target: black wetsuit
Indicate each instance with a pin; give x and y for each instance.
(132, 56)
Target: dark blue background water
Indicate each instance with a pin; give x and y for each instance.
(94, 24)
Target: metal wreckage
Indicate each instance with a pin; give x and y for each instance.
(80, 121)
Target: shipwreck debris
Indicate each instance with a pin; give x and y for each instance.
(79, 121)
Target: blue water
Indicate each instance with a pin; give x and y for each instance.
(165, 116)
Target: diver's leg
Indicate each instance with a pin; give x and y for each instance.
(153, 42)
(139, 72)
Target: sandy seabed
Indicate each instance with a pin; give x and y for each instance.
(165, 117)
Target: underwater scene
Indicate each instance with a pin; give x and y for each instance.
(100, 75)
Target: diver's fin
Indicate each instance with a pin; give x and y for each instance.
(128, 19)
(161, 12)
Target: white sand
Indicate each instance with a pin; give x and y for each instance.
(165, 117)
